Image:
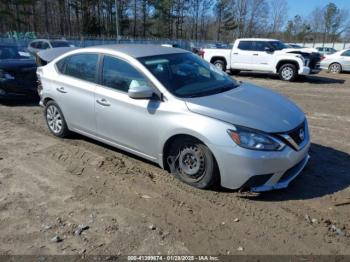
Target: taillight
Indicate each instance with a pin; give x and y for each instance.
(201, 53)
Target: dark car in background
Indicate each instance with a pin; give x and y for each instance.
(17, 74)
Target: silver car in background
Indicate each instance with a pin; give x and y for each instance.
(171, 107)
(337, 62)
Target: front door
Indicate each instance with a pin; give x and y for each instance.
(121, 120)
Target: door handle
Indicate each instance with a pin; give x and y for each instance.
(235, 53)
(103, 102)
(255, 54)
(61, 90)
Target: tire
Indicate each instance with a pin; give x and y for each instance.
(235, 72)
(288, 72)
(335, 68)
(220, 64)
(193, 163)
(55, 120)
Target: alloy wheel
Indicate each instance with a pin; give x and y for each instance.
(54, 119)
(287, 73)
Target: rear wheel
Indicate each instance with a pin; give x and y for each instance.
(219, 64)
(335, 68)
(288, 72)
(193, 163)
(55, 120)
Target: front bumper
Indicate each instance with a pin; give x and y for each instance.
(305, 70)
(283, 178)
(273, 170)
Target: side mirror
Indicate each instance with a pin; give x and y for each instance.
(269, 50)
(140, 92)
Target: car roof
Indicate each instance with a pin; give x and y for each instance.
(139, 50)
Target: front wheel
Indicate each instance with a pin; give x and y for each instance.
(193, 163)
(55, 120)
(288, 72)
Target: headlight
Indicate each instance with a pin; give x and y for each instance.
(5, 76)
(255, 140)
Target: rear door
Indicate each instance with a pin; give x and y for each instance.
(74, 90)
(241, 57)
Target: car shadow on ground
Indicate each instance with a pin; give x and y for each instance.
(311, 79)
(327, 172)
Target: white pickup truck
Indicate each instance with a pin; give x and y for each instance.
(266, 55)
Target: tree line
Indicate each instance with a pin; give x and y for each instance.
(219, 20)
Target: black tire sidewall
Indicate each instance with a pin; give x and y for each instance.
(210, 176)
(295, 72)
(64, 131)
(222, 63)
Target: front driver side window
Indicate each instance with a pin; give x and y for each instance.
(346, 53)
(120, 75)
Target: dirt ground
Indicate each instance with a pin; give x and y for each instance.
(50, 186)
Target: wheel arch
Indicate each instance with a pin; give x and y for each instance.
(336, 62)
(173, 138)
(46, 100)
(221, 58)
(287, 61)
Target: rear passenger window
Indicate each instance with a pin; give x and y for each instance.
(60, 65)
(120, 75)
(82, 66)
(245, 45)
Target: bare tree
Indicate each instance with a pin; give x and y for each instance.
(278, 14)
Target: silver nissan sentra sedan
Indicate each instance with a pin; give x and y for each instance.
(171, 107)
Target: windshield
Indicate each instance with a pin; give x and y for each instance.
(59, 44)
(187, 75)
(9, 52)
(277, 45)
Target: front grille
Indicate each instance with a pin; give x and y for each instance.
(295, 137)
(295, 134)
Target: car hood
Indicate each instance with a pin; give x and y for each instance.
(16, 64)
(250, 106)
